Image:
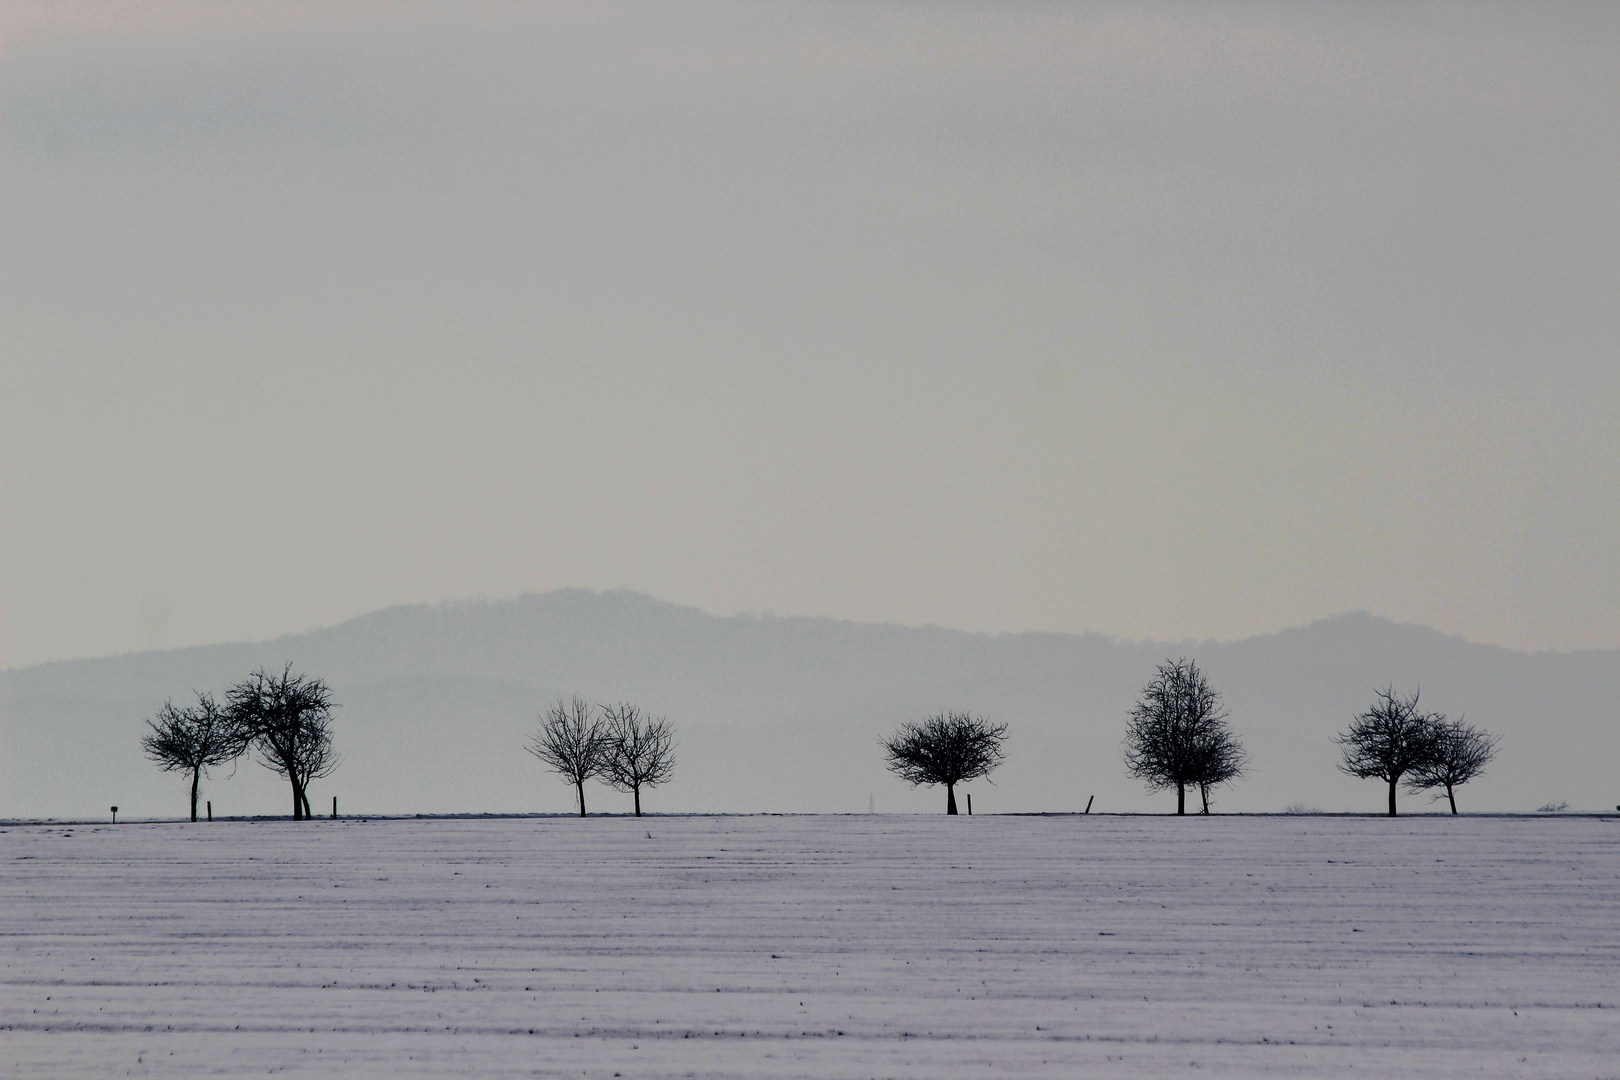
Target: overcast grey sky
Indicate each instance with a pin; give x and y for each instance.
(1153, 319)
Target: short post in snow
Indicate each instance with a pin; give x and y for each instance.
(334, 808)
(1089, 802)
(115, 815)
(970, 805)
(210, 809)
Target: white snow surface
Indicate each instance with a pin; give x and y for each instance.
(836, 946)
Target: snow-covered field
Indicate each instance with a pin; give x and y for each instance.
(815, 946)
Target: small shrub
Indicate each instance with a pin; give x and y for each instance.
(1301, 808)
(1553, 808)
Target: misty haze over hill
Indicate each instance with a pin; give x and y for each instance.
(785, 713)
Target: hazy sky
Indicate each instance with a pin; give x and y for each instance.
(1159, 320)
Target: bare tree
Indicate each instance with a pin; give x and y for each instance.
(1460, 752)
(1177, 735)
(288, 719)
(1219, 757)
(947, 748)
(640, 750)
(573, 743)
(1391, 738)
(193, 739)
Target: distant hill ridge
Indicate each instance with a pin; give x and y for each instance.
(783, 712)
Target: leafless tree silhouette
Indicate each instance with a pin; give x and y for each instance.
(1177, 734)
(573, 743)
(1220, 758)
(193, 739)
(640, 752)
(1459, 753)
(288, 718)
(1393, 737)
(947, 748)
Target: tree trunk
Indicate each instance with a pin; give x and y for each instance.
(309, 815)
(638, 800)
(950, 798)
(1392, 784)
(1181, 798)
(1452, 798)
(1203, 793)
(196, 782)
(298, 801)
(580, 784)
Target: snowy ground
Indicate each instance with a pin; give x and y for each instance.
(815, 947)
